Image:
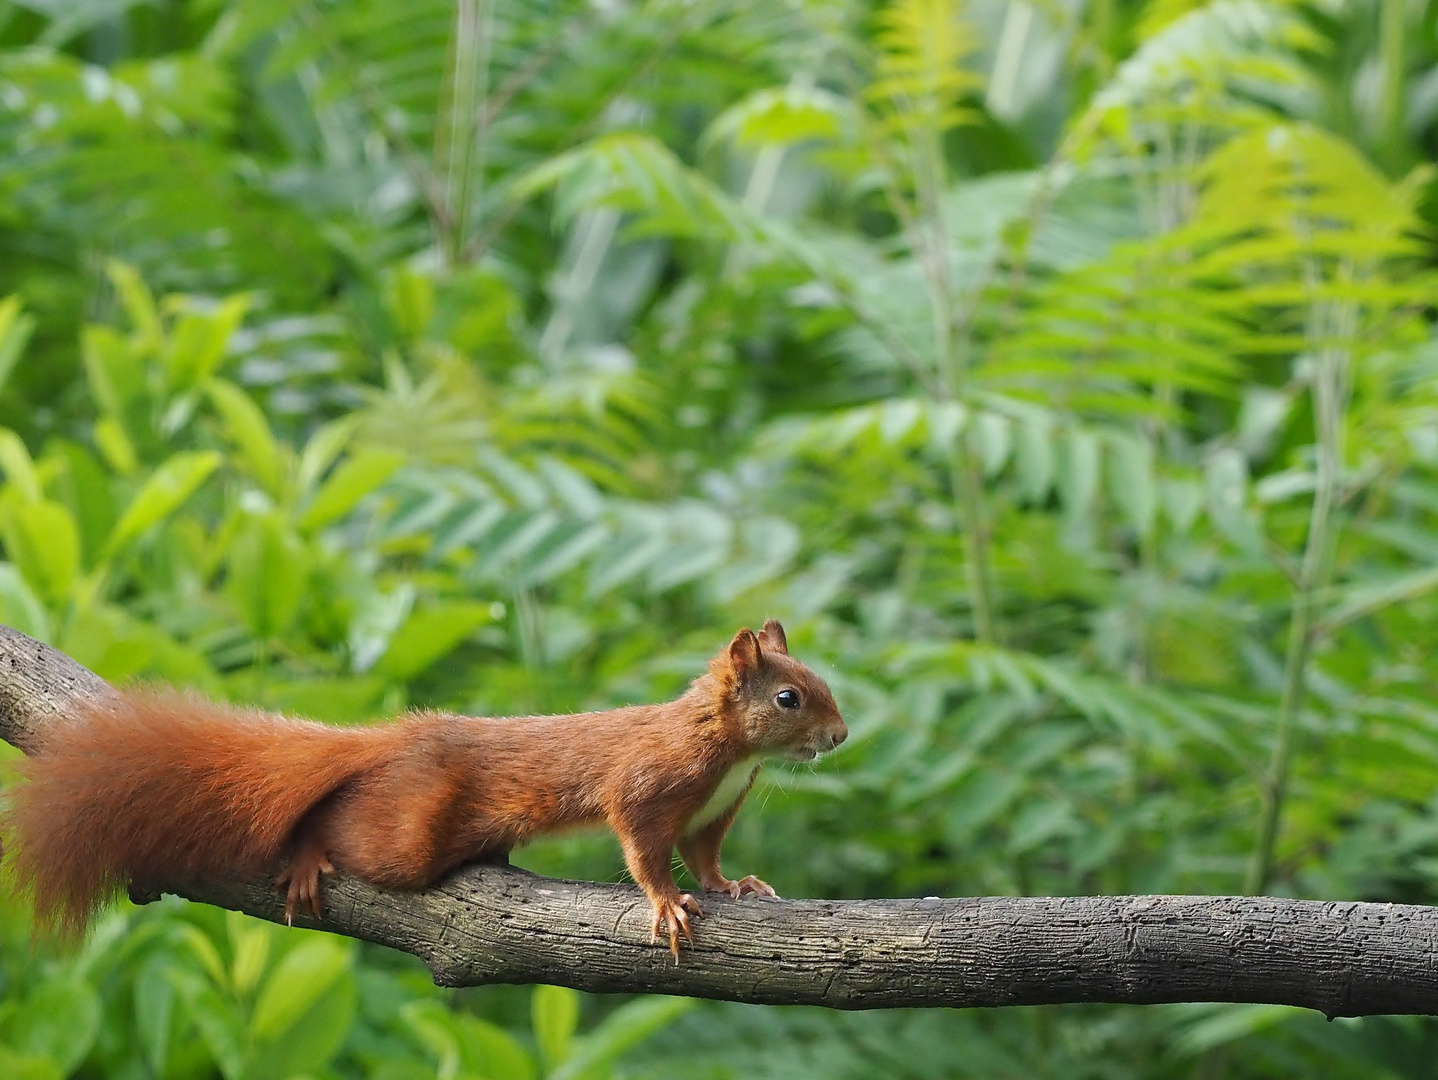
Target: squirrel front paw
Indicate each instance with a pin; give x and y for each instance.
(745, 886)
(674, 913)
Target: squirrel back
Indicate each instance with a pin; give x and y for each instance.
(146, 784)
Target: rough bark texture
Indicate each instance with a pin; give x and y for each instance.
(489, 924)
(36, 682)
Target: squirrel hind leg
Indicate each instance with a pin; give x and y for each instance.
(300, 881)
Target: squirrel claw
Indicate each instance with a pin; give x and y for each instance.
(674, 913)
(750, 885)
(745, 886)
(301, 886)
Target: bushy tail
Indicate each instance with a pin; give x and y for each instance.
(161, 789)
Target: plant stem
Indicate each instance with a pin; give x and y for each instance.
(1392, 20)
(462, 130)
(1330, 396)
(969, 497)
(1275, 781)
(931, 244)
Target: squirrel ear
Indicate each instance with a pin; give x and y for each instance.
(772, 637)
(744, 653)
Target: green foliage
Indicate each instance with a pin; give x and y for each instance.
(1063, 376)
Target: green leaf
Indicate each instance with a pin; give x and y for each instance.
(320, 452)
(43, 542)
(622, 1030)
(114, 370)
(428, 634)
(15, 1066)
(15, 331)
(992, 437)
(348, 484)
(517, 537)
(250, 941)
(115, 446)
(1227, 1023)
(409, 296)
(1182, 502)
(139, 303)
(312, 1042)
(561, 552)
(98, 636)
(899, 417)
(768, 546)
(920, 76)
(161, 495)
(119, 646)
(199, 946)
(946, 422)
(634, 172)
(686, 561)
(1034, 459)
(19, 468)
(1132, 483)
(197, 342)
(622, 560)
(217, 1019)
(435, 1028)
(266, 569)
(248, 429)
(343, 699)
(84, 486)
(1226, 476)
(374, 623)
(154, 995)
(59, 1019)
(782, 116)
(981, 799)
(487, 1050)
(20, 607)
(555, 1012)
(1356, 601)
(1079, 474)
(1038, 823)
(317, 967)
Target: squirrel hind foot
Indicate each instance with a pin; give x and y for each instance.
(673, 913)
(745, 886)
(748, 886)
(300, 882)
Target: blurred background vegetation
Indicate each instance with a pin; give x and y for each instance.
(1061, 372)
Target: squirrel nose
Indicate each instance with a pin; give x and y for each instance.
(837, 736)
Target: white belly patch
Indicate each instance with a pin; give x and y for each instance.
(734, 782)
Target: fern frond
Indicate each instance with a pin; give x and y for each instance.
(919, 74)
(524, 527)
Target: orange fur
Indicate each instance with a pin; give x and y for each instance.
(163, 789)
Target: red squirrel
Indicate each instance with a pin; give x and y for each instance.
(162, 788)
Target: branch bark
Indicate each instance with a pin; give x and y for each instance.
(490, 924)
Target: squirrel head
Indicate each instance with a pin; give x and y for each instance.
(780, 706)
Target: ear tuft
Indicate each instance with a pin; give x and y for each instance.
(744, 654)
(772, 637)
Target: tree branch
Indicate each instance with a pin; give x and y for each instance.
(490, 924)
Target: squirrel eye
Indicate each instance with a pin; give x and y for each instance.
(786, 699)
